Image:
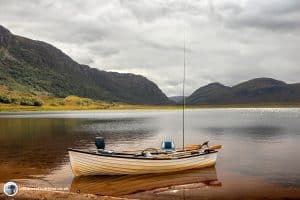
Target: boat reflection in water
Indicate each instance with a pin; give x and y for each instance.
(131, 184)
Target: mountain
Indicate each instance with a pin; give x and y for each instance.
(176, 99)
(207, 94)
(259, 90)
(36, 66)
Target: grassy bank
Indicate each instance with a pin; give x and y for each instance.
(108, 106)
(11, 100)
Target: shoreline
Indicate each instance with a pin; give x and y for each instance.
(27, 192)
(42, 194)
(8, 108)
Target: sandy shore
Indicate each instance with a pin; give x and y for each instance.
(32, 194)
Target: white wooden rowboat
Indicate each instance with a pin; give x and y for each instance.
(85, 163)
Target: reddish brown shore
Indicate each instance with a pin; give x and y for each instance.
(35, 195)
(48, 195)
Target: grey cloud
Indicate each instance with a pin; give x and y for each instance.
(279, 7)
(148, 11)
(269, 15)
(266, 22)
(102, 49)
(167, 47)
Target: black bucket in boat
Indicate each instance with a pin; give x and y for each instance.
(99, 142)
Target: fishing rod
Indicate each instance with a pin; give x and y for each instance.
(183, 95)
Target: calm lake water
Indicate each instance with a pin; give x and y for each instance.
(260, 149)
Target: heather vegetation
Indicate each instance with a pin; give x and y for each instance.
(11, 100)
(18, 98)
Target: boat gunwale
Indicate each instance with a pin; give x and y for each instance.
(140, 158)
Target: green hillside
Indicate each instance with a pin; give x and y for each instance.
(39, 68)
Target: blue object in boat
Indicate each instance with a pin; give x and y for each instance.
(168, 145)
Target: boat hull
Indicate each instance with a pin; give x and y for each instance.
(85, 164)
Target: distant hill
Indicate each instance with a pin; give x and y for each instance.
(259, 90)
(176, 99)
(35, 66)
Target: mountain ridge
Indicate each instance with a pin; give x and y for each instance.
(258, 90)
(37, 66)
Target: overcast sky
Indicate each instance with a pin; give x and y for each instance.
(227, 41)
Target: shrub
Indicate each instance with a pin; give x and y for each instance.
(14, 100)
(26, 102)
(38, 102)
(5, 99)
(31, 102)
(83, 102)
